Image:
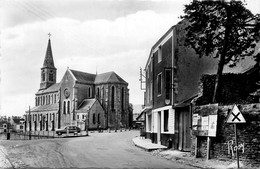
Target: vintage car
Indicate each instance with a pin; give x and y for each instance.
(68, 129)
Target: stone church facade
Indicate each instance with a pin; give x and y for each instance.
(80, 98)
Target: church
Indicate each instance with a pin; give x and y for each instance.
(82, 99)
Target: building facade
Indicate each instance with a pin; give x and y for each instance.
(80, 98)
(172, 76)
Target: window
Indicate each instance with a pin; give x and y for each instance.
(98, 119)
(122, 98)
(68, 107)
(98, 93)
(49, 99)
(64, 107)
(51, 76)
(43, 102)
(82, 116)
(151, 91)
(159, 54)
(77, 116)
(112, 97)
(94, 118)
(43, 75)
(166, 119)
(167, 83)
(159, 84)
(89, 92)
(55, 98)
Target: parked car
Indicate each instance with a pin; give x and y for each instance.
(71, 129)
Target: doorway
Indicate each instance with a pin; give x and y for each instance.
(184, 124)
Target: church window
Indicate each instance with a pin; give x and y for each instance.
(68, 107)
(64, 107)
(122, 98)
(51, 76)
(52, 99)
(94, 118)
(43, 100)
(89, 92)
(55, 98)
(98, 93)
(112, 97)
(43, 75)
(49, 99)
(98, 119)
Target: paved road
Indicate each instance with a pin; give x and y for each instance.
(99, 150)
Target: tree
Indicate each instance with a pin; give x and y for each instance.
(224, 30)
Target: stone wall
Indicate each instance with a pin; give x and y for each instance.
(248, 136)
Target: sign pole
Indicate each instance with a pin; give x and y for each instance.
(235, 127)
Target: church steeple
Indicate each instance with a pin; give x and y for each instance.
(48, 71)
(48, 61)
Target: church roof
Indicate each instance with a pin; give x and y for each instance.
(83, 77)
(86, 104)
(49, 107)
(109, 77)
(48, 60)
(53, 88)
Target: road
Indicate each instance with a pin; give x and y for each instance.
(99, 150)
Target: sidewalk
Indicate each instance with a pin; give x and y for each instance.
(186, 157)
(146, 144)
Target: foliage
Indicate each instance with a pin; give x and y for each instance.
(224, 30)
(213, 23)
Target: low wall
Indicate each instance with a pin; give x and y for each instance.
(223, 145)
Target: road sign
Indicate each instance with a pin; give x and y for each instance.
(235, 116)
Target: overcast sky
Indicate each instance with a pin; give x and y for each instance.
(87, 35)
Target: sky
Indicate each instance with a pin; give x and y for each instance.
(86, 35)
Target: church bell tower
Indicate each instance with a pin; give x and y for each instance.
(48, 71)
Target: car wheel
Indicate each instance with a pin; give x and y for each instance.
(59, 133)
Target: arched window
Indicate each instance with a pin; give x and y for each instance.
(94, 118)
(51, 76)
(43, 101)
(64, 107)
(43, 75)
(98, 93)
(89, 92)
(98, 118)
(122, 98)
(55, 98)
(68, 106)
(49, 99)
(113, 98)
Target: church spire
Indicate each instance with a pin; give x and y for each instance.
(48, 71)
(48, 61)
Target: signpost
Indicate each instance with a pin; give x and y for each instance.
(235, 116)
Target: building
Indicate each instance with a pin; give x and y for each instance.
(80, 98)
(172, 75)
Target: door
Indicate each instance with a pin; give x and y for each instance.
(184, 124)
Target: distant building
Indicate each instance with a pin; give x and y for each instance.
(80, 99)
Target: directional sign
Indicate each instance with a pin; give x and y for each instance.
(235, 116)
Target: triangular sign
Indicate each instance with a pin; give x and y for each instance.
(235, 116)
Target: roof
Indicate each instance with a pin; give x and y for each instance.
(48, 60)
(83, 77)
(53, 88)
(87, 104)
(109, 77)
(49, 107)
(185, 102)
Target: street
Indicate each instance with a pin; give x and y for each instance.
(99, 150)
